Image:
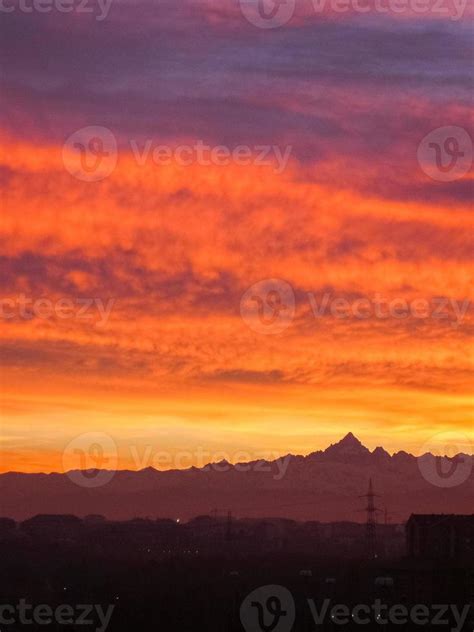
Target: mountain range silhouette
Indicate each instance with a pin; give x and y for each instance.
(325, 486)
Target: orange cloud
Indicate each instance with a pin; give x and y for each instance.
(172, 362)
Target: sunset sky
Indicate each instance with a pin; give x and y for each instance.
(180, 362)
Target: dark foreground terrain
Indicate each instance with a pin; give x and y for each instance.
(141, 576)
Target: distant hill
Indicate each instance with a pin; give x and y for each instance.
(324, 486)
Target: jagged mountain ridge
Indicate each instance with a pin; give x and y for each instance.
(325, 485)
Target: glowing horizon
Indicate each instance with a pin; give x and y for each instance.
(168, 353)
